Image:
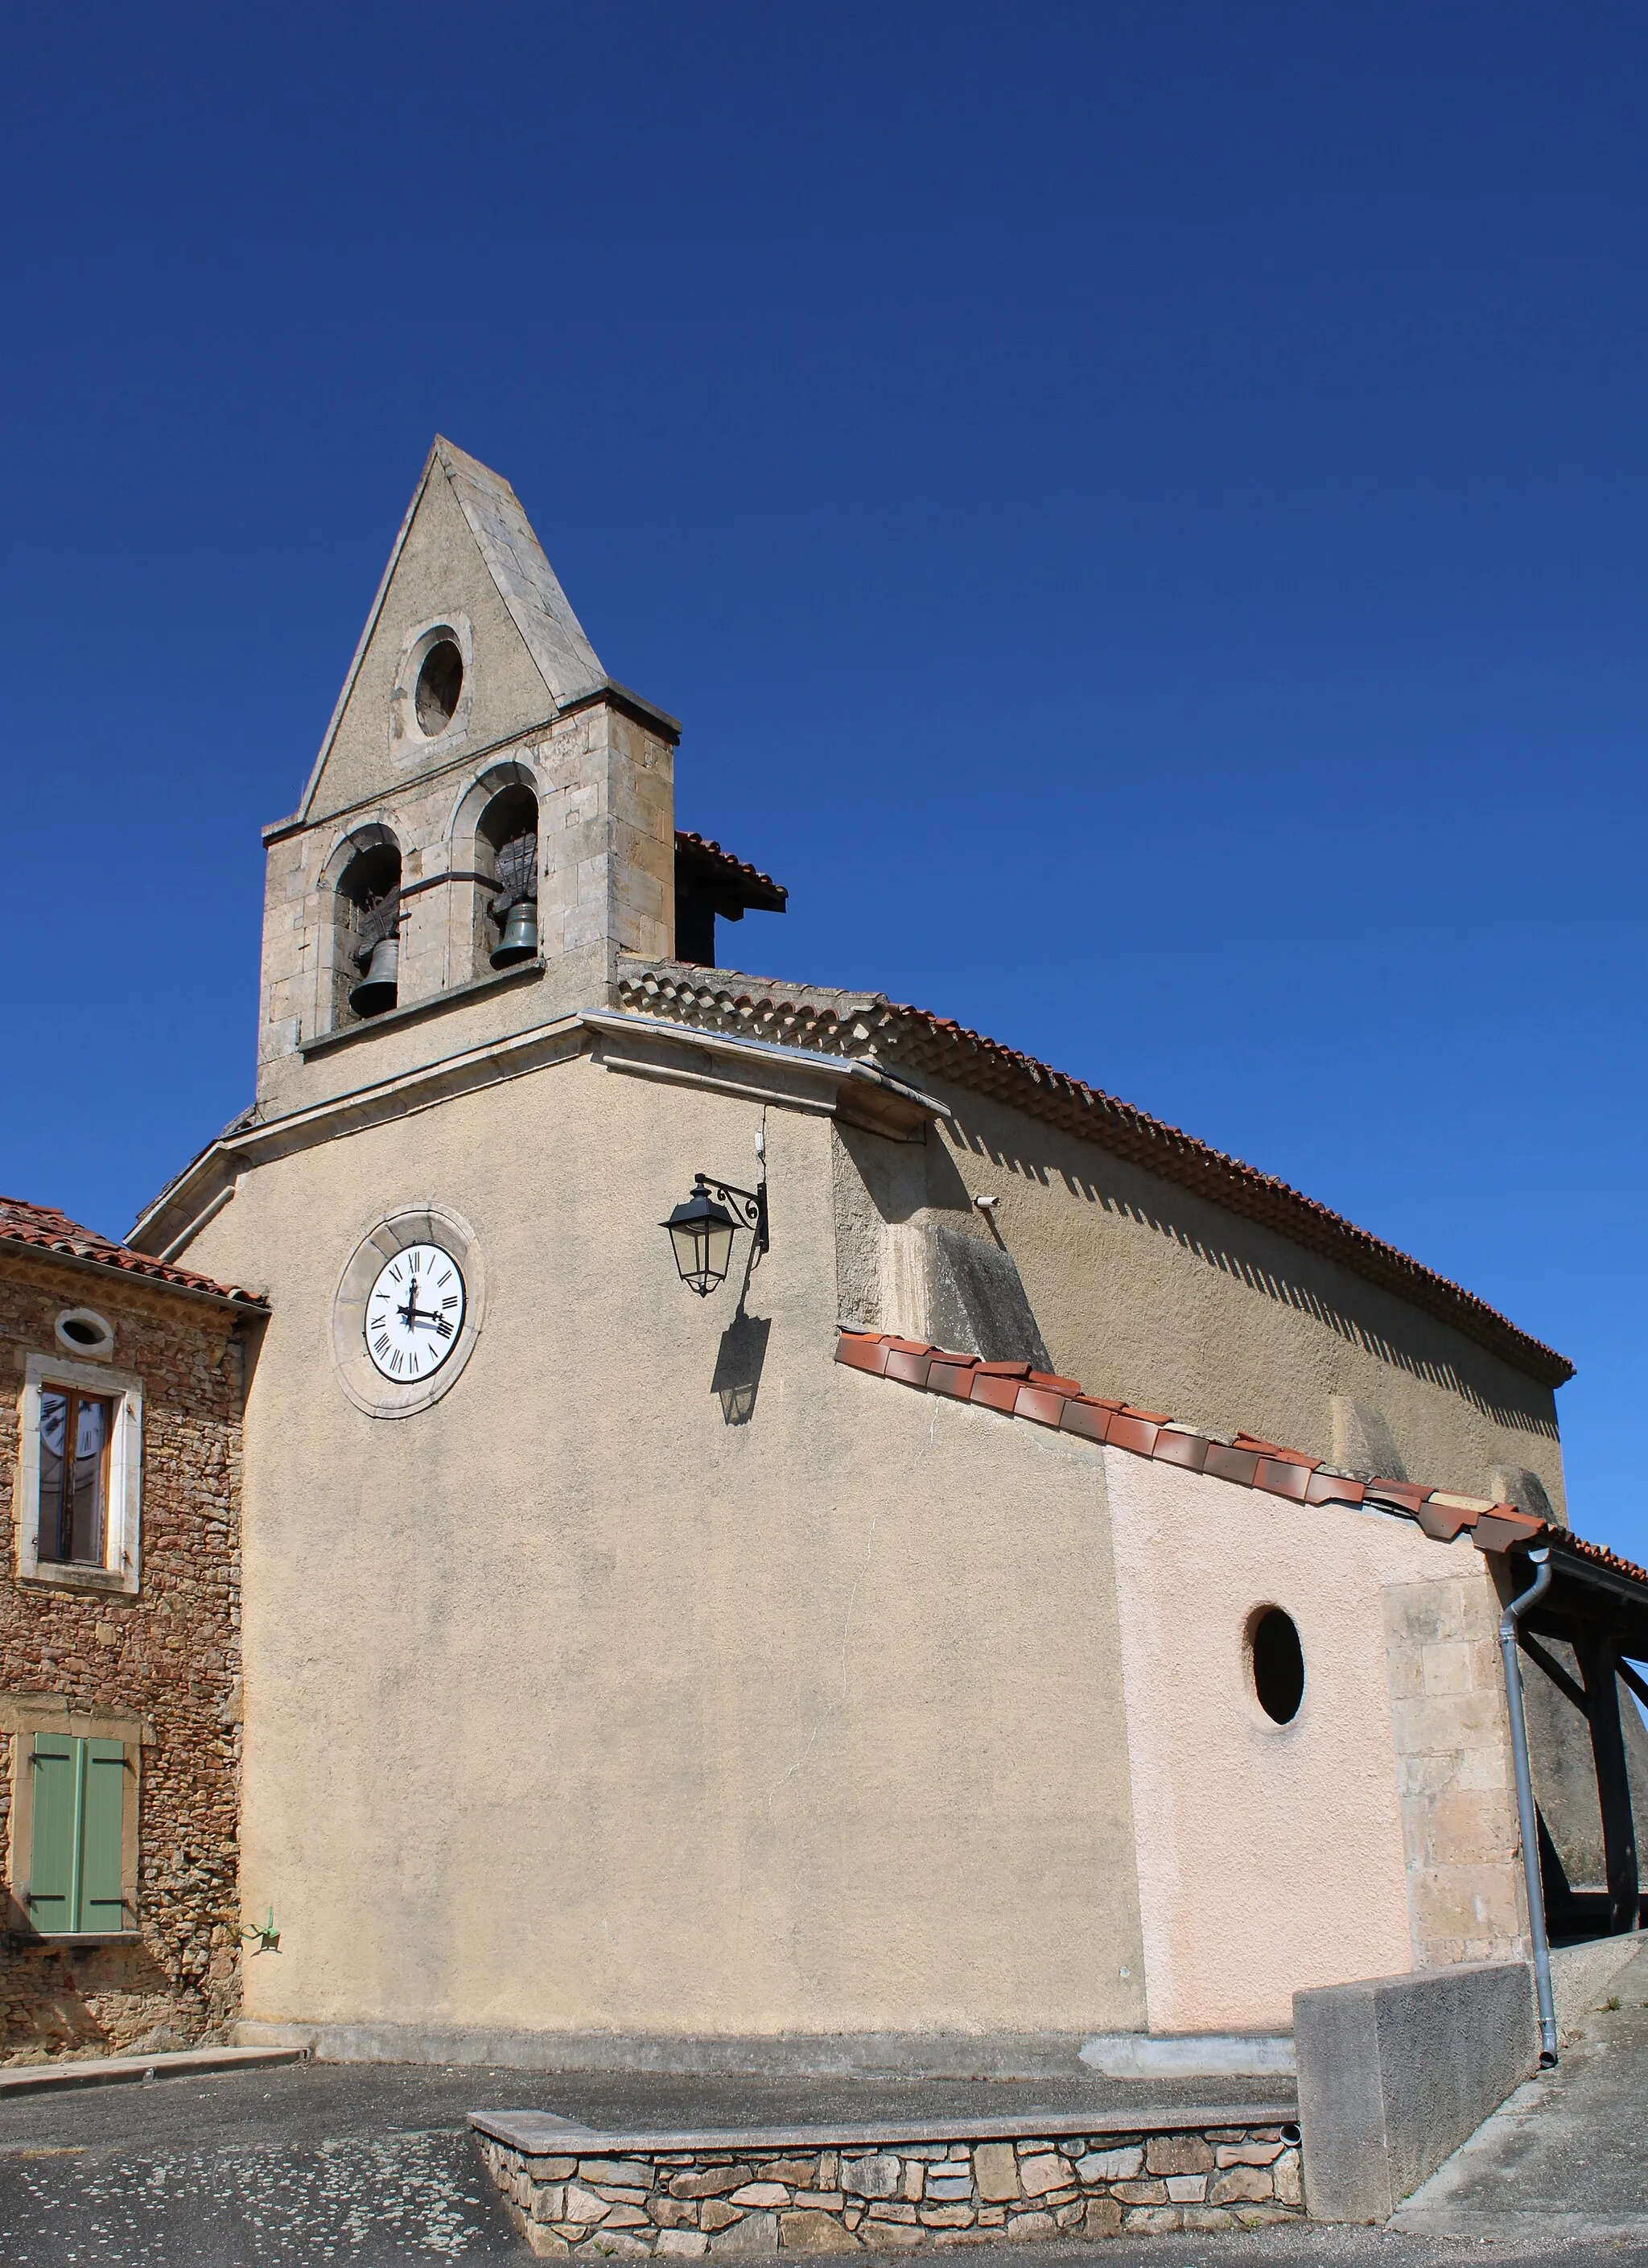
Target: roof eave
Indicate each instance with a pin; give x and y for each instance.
(948, 1050)
(245, 1303)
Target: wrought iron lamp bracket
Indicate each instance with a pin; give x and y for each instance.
(751, 1204)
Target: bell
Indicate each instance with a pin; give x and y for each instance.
(375, 990)
(519, 940)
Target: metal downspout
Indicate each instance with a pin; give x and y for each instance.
(1527, 1814)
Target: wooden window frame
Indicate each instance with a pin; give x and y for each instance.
(21, 1717)
(120, 1570)
(77, 1397)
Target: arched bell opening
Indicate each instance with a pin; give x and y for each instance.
(506, 854)
(367, 922)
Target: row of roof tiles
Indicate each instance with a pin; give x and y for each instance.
(1017, 1390)
(43, 1228)
(757, 890)
(872, 1026)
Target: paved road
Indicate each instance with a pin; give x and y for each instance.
(372, 2164)
(371, 2167)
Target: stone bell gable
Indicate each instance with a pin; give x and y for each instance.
(489, 824)
(466, 569)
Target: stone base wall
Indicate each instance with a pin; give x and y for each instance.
(689, 2202)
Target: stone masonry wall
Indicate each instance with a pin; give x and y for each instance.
(896, 2195)
(1453, 1741)
(170, 1656)
(607, 858)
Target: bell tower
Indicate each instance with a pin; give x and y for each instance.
(489, 825)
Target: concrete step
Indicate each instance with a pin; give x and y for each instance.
(118, 2071)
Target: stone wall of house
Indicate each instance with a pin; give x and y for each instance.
(169, 1656)
(896, 2195)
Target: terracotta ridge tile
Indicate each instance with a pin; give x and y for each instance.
(1272, 1449)
(1456, 1503)
(1248, 1461)
(1409, 1494)
(686, 838)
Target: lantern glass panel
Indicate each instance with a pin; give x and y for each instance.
(700, 1232)
(719, 1249)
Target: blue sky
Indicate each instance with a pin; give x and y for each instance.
(1139, 508)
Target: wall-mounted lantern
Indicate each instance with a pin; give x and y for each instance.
(702, 1230)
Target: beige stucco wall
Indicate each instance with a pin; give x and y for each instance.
(569, 1705)
(1150, 1294)
(1273, 1858)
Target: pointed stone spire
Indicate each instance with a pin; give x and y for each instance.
(526, 583)
(513, 620)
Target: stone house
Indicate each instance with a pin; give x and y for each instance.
(1038, 1602)
(120, 1642)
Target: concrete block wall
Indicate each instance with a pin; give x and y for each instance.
(1395, 2073)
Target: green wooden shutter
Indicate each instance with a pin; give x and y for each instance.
(79, 1821)
(101, 1908)
(55, 1767)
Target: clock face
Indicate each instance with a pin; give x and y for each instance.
(415, 1312)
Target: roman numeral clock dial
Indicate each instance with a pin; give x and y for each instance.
(415, 1312)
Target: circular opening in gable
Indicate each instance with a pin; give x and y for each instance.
(439, 682)
(1279, 1665)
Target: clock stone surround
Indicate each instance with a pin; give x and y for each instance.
(393, 1233)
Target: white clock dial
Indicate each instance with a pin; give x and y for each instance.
(415, 1313)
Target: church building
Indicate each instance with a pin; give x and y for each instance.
(778, 1533)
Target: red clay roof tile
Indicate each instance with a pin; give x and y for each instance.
(43, 1228)
(757, 890)
(1440, 1513)
(1038, 1405)
(1175, 1446)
